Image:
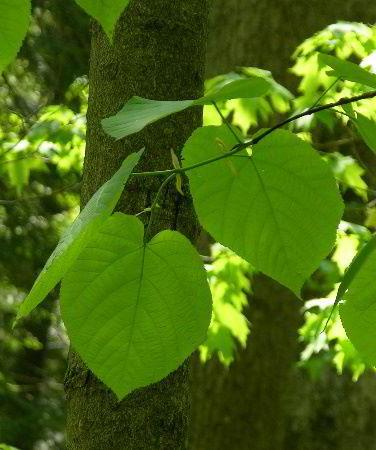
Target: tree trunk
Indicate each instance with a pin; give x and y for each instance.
(253, 404)
(158, 53)
(244, 407)
(265, 33)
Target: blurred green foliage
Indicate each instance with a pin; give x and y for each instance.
(42, 130)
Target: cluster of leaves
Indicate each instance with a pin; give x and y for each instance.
(229, 280)
(144, 302)
(40, 163)
(263, 204)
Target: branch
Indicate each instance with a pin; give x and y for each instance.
(241, 146)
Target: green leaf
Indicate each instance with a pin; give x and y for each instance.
(134, 311)
(139, 112)
(14, 22)
(367, 130)
(18, 172)
(243, 88)
(106, 12)
(97, 210)
(278, 208)
(358, 308)
(348, 70)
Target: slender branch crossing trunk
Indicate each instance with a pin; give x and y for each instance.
(159, 53)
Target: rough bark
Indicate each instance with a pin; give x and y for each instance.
(265, 33)
(159, 53)
(244, 407)
(256, 403)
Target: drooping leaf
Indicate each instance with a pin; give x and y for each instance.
(278, 208)
(367, 130)
(139, 112)
(14, 22)
(358, 306)
(97, 210)
(134, 311)
(348, 70)
(106, 12)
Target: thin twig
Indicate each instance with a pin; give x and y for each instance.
(226, 122)
(325, 92)
(241, 146)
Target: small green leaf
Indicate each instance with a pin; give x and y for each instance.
(18, 172)
(139, 112)
(135, 311)
(14, 22)
(97, 210)
(278, 208)
(243, 88)
(358, 308)
(106, 12)
(348, 70)
(367, 130)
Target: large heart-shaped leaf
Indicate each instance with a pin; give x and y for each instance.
(278, 208)
(348, 70)
(14, 22)
(106, 12)
(139, 112)
(97, 210)
(134, 311)
(357, 295)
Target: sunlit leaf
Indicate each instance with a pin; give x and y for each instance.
(367, 130)
(139, 112)
(278, 208)
(358, 306)
(14, 22)
(97, 210)
(348, 70)
(106, 12)
(134, 311)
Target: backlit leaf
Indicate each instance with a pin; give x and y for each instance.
(106, 12)
(367, 130)
(14, 22)
(278, 208)
(135, 311)
(348, 70)
(139, 112)
(358, 306)
(97, 210)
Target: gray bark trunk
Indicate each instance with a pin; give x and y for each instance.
(158, 53)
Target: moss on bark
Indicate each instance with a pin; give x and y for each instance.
(158, 53)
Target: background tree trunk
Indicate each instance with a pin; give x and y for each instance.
(159, 53)
(265, 33)
(262, 402)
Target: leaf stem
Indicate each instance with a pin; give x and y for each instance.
(155, 205)
(226, 122)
